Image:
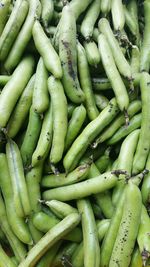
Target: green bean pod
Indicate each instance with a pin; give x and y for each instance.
(90, 18)
(74, 125)
(143, 236)
(31, 137)
(60, 209)
(130, 22)
(45, 139)
(95, 34)
(12, 27)
(15, 165)
(103, 161)
(89, 133)
(70, 107)
(77, 258)
(48, 257)
(17, 246)
(105, 203)
(121, 62)
(135, 59)
(78, 174)
(46, 50)
(4, 79)
(33, 178)
(4, 13)
(19, 78)
(145, 51)
(118, 16)
(90, 234)
(102, 228)
(50, 238)
(128, 229)
(68, 55)
(44, 222)
(47, 12)
(35, 233)
(59, 113)
(5, 260)
(101, 101)
(111, 234)
(24, 35)
(133, 108)
(133, 10)
(19, 227)
(40, 94)
(82, 189)
(145, 189)
(92, 53)
(102, 199)
(125, 162)
(105, 6)
(79, 7)
(144, 143)
(86, 84)
(112, 73)
(134, 124)
(21, 110)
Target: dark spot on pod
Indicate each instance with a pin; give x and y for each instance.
(39, 157)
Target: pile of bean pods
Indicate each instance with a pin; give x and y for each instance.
(74, 133)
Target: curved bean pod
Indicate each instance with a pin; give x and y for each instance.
(89, 133)
(19, 78)
(18, 225)
(60, 208)
(59, 111)
(112, 73)
(12, 27)
(134, 124)
(50, 238)
(47, 12)
(90, 234)
(24, 35)
(125, 162)
(82, 189)
(45, 139)
(128, 229)
(121, 62)
(40, 93)
(46, 50)
(17, 246)
(79, 174)
(21, 110)
(111, 234)
(21, 199)
(90, 18)
(144, 143)
(133, 108)
(79, 7)
(31, 137)
(118, 16)
(86, 84)
(75, 124)
(68, 55)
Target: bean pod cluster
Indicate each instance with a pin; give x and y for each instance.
(74, 133)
